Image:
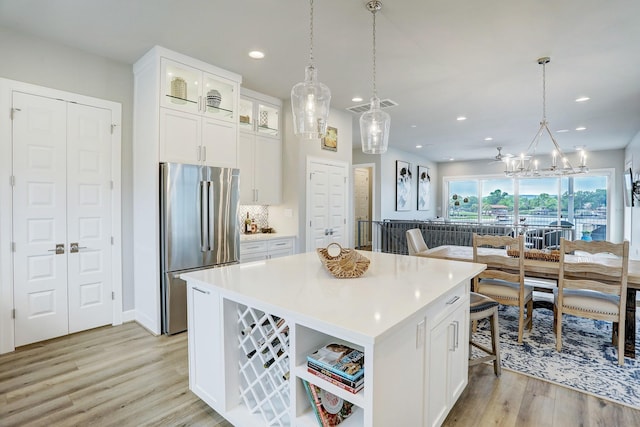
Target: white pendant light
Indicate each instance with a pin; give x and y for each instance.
(310, 99)
(375, 123)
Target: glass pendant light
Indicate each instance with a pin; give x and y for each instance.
(375, 123)
(310, 99)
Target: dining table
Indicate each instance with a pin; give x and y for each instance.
(537, 268)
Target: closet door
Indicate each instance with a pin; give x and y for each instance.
(39, 218)
(89, 216)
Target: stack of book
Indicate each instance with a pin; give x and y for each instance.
(340, 365)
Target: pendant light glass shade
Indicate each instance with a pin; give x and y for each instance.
(375, 123)
(374, 129)
(310, 99)
(310, 106)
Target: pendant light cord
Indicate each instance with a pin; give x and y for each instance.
(311, 32)
(375, 90)
(544, 91)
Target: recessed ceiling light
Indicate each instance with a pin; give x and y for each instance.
(451, 159)
(582, 99)
(562, 130)
(579, 147)
(356, 99)
(256, 54)
(461, 118)
(581, 128)
(413, 126)
(418, 146)
(488, 138)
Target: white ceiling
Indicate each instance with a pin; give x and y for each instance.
(436, 59)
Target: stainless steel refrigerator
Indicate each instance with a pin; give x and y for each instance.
(198, 229)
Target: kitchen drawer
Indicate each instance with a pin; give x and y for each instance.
(252, 247)
(274, 245)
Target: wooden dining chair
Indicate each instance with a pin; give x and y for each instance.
(415, 242)
(602, 299)
(503, 280)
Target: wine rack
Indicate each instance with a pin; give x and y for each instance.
(263, 342)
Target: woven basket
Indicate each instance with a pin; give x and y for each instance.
(348, 264)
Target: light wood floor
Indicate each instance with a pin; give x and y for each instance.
(123, 376)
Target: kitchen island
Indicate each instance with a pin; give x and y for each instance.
(252, 325)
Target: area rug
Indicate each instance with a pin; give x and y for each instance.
(588, 362)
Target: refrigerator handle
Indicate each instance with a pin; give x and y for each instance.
(212, 215)
(204, 216)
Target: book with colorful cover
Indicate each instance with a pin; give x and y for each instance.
(330, 410)
(341, 378)
(340, 359)
(338, 383)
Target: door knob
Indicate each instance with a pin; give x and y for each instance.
(73, 247)
(58, 250)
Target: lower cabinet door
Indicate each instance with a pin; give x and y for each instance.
(441, 341)
(206, 373)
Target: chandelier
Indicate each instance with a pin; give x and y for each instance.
(375, 123)
(527, 164)
(310, 99)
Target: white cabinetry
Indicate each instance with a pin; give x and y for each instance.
(198, 123)
(422, 352)
(206, 362)
(260, 149)
(174, 121)
(447, 358)
(266, 249)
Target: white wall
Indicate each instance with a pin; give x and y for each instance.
(40, 62)
(385, 184)
(294, 179)
(597, 160)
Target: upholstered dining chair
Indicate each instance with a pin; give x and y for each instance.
(503, 280)
(415, 242)
(601, 299)
(483, 307)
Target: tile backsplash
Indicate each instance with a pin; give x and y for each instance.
(258, 212)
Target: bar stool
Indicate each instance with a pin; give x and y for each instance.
(482, 307)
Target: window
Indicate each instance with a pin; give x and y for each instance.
(498, 202)
(463, 201)
(580, 202)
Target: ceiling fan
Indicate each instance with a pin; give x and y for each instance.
(501, 157)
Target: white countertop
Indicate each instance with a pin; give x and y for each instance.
(262, 236)
(394, 288)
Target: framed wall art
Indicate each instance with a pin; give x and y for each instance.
(330, 141)
(403, 186)
(424, 188)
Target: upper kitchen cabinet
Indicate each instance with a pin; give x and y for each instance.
(260, 149)
(189, 106)
(195, 91)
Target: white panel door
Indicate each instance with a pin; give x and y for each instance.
(89, 217)
(327, 207)
(319, 200)
(39, 218)
(337, 205)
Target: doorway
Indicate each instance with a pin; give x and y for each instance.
(362, 206)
